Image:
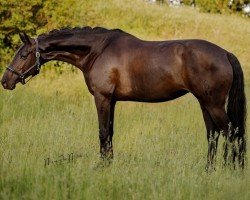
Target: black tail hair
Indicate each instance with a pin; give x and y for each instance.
(236, 107)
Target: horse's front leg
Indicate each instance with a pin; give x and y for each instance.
(105, 109)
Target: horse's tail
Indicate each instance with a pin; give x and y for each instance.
(236, 107)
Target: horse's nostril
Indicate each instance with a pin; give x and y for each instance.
(4, 83)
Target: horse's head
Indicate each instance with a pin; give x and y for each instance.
(25, 63)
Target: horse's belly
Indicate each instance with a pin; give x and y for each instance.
(149, 93)
(159, 98)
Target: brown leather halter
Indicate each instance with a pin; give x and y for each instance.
(22, 75)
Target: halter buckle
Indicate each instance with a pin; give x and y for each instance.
(38, 54)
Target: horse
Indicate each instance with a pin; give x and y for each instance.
(118, 66)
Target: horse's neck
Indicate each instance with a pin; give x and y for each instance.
(80, 51)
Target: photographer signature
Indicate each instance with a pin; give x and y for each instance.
(62, 159)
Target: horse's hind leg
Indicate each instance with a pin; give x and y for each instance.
(221, 120)
(212, 138)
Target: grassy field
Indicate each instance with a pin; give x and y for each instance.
(160, 149)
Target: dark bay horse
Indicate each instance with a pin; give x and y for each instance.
(120, 67)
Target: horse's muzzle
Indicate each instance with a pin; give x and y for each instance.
(6, 85)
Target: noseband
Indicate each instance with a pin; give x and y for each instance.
(36, 65)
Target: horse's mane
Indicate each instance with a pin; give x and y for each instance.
(78, 30)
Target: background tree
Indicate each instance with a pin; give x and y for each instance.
(33, 17)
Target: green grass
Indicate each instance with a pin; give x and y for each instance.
(160, 149)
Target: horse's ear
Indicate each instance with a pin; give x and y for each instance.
(25, 38)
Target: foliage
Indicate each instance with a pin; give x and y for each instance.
(220, 6)
(32, 17)
(215, 6)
